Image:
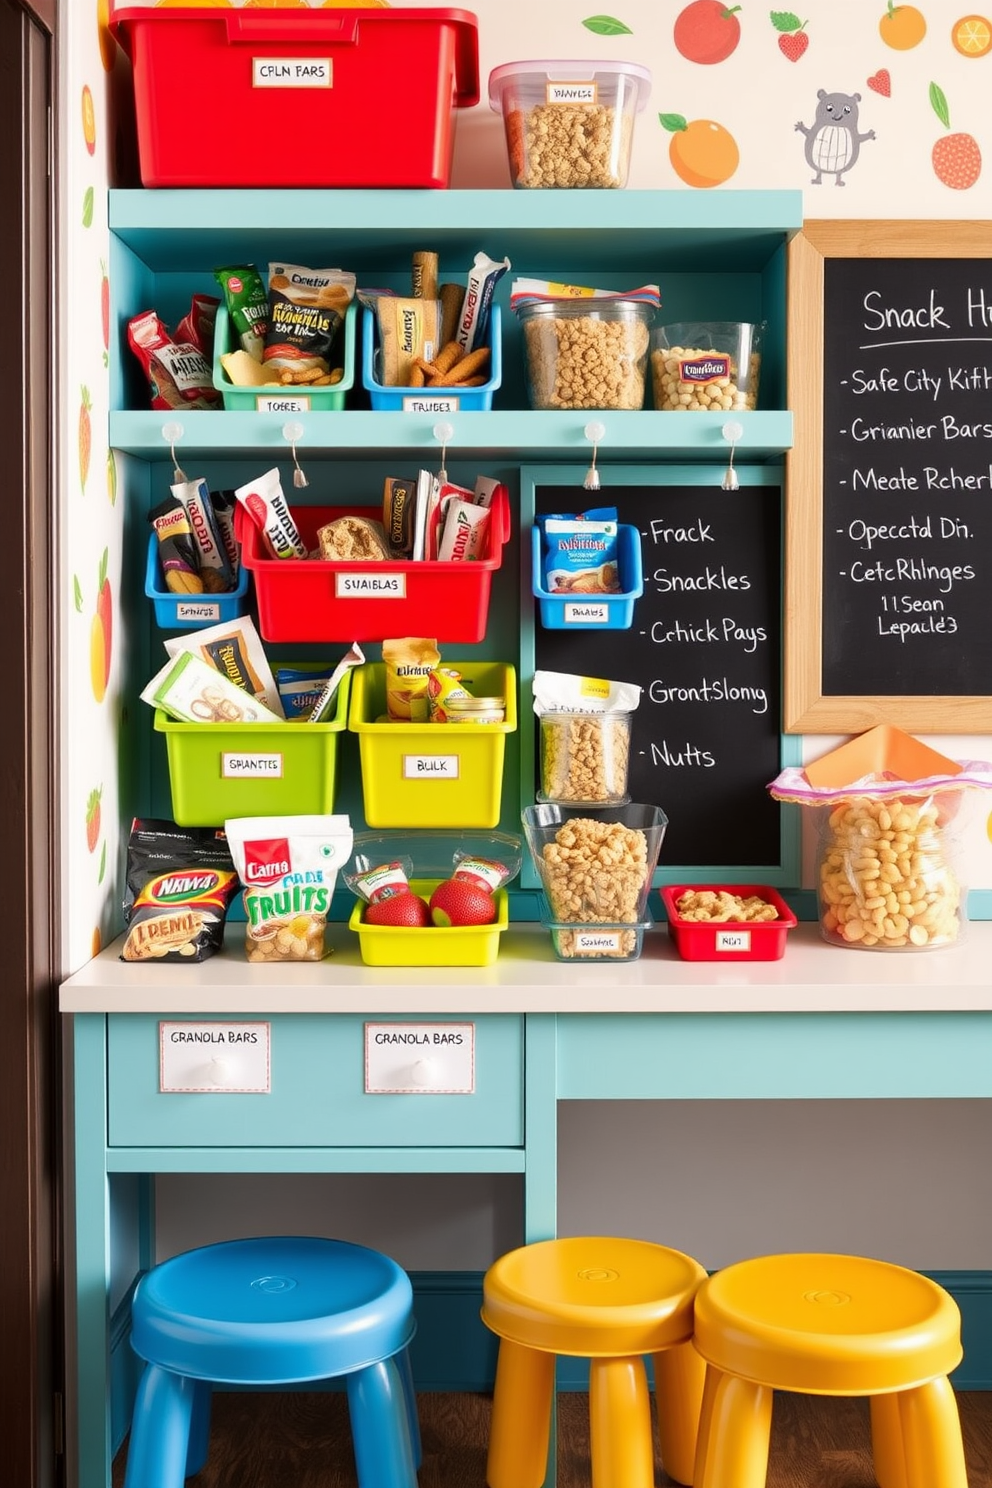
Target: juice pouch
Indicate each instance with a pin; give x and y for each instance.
(180, 881)
(288, 866)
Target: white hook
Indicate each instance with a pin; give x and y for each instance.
(595, 433)
(292, 433)
(443, 433)
(172, 433)
(732, 432)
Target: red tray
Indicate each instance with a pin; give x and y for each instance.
(729, 940)
(340, 97)
(307, 599)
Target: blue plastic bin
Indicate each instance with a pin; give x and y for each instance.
(592, 611)
(191, 611)
(301, 398)
(431, 400)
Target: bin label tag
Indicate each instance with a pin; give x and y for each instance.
(572, 92)
(251, 766)
(430, 766)
(431, 405)
(598, 940)
(370, 585)
(733, 940)
(586, 614)
(197, 610)
(292, 72)
(280, 403)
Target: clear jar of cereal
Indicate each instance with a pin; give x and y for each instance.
(586, 352)
(709, 365)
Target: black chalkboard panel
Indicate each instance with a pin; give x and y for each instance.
(705, 646)
(907, 476)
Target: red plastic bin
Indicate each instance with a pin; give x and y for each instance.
(312, 599)
(272, 97)
(729, 940)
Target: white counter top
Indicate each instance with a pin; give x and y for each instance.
(812, 977)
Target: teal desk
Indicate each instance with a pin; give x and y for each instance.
(820, 1023)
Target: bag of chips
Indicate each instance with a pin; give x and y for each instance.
(180, 882)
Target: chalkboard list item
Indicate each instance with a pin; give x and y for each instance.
(704, 646)
(578, 611)
(890, 547)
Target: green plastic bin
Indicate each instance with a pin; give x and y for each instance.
(292, 399)
(219, 770)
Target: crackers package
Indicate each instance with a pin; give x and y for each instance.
(306, 311)
(409, 662)
(180, 881)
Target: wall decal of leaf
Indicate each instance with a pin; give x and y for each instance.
(604, 25)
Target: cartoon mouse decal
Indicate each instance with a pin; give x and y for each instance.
(833, 143)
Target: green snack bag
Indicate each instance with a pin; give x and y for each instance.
(247, 302)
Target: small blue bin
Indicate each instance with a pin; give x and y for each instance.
(431, 400)
(592, 611)
(191, 611)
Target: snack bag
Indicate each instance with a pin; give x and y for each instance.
(580, 552)
(265, 502)
(234, 649)
(247, 305)
(306, 311)
(197, 325)
(191, 691)
(180, 881)
(178, 373)
(443, 683)
(177, 551)
(409, 663)
(288, 866)
(373, 881)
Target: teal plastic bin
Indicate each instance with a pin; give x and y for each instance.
(293, 398)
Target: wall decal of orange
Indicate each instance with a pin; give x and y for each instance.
(89, 121)
(108, 46)
(102, 633)
(702, 152)
(972, 35)
(902, 26)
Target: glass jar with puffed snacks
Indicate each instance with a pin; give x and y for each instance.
(586, 353)
(584, 757)
(713, 365)
(568, 124)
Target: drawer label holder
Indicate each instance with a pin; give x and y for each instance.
(420, 1059)
(215, 1058)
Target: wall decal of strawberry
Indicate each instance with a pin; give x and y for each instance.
(101, 633)
(793, 36)
(881, 82)
(85, 436)
(956, 158)
(604, 25)
(89, 121)
(105, 311)
(93, 819)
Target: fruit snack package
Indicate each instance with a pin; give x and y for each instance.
(288, 866)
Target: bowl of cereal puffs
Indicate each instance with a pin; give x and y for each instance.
(736, 922)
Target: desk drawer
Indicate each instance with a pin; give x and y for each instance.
(317, 1090)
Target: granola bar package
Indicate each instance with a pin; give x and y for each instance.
(179, 375)
(180, 882)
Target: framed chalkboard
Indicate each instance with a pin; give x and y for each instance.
(704, 645)
(889, 532)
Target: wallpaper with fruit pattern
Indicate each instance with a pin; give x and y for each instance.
(872, 108)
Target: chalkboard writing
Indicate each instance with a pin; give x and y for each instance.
(705, 648)
(907, 476)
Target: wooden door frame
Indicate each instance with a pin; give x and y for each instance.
(31, 1292)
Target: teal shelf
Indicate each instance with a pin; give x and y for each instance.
(539, 436)
(172, 231)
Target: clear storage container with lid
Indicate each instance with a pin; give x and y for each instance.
(586, 353)
(568, 124)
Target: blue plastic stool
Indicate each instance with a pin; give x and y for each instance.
(278, 1311)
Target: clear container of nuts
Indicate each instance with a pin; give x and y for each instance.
(586, 352)
(568, 124)
(595, 867)
(714, 365)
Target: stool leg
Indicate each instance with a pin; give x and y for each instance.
(199, 1428)
(733, 1447)
(410, 1399)
(380, 1430)
(520, 1430)
(679, 1373)
(159, 1445)
(887, 1450)
(622, 1449)
(931, 1431)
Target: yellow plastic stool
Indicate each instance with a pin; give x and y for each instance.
(829, 1325)
(610, 1301)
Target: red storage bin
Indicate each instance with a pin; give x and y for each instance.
(271, 97)
(729, 940)
(311, 599)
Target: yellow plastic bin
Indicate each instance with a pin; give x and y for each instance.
(219, 770)
(432, 774)
(431, 945)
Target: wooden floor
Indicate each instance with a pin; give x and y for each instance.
(285, 1440)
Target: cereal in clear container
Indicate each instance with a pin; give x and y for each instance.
(709, 366)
